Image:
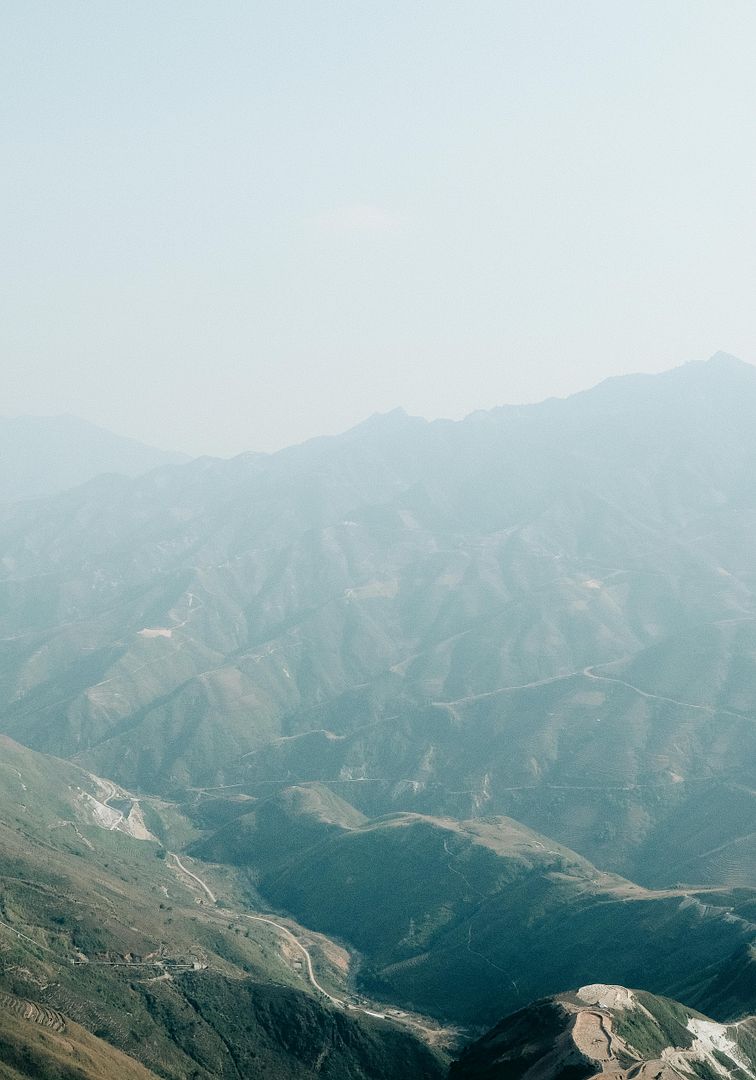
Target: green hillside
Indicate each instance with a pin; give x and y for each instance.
(278, 829)
(727, 988)
(468, 919)
(109, 931)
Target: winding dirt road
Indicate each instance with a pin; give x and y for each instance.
(590, 673)
(211, 895)
(271, 922)
(404, 1020)
(308, 959)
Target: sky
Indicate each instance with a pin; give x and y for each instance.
(230, 225)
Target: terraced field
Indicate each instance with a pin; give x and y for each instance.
(32, 1011)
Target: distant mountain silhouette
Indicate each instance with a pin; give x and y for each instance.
(41, 455)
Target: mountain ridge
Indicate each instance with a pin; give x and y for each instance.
(392, 594)
(473, 700)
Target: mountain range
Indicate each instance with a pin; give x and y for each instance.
(507, 615)
(472, 702)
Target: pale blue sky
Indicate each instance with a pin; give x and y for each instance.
(232, 225)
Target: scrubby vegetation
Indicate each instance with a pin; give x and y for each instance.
(650, 1034)
(93, 925)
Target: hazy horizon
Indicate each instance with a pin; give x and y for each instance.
(235, 227)
(359, 420)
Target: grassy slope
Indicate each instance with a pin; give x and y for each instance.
(30, 1050)
(79, 889)
(279, 828)
(469, 919)
(726, 989)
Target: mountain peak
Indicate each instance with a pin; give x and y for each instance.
(721, 368)
(381, 419)
(724, 358)
(720, 361)
(397, 419)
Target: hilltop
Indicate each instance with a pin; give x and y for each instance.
(604, 1030)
